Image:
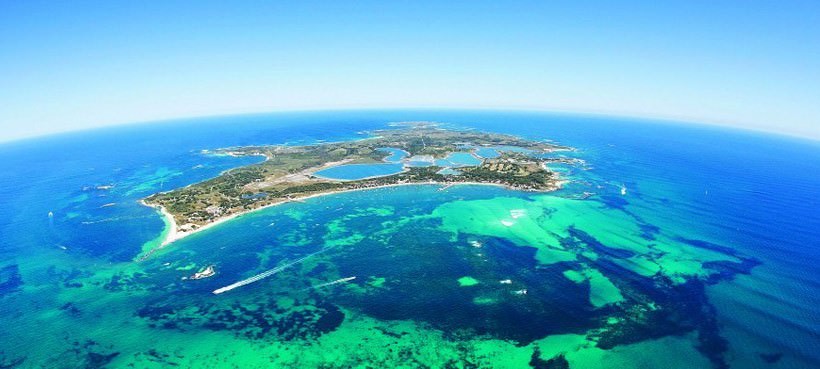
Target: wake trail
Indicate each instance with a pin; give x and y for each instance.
(264, 274)
(342, 280)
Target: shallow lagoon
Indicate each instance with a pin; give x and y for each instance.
(459, 159)
(420, 161)
(487, 152)
(352, 172)
(396, 155)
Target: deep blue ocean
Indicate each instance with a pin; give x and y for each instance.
(74, 198)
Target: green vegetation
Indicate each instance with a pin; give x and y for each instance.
(288, 172)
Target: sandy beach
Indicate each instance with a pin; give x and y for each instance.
(175, 234)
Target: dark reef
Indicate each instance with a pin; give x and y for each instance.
(10, 279)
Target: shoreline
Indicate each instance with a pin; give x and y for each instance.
(175, 235)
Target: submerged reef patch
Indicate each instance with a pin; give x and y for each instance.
(10, 279)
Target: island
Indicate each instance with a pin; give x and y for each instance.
(411, 153)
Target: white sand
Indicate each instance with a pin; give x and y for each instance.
(176, 234)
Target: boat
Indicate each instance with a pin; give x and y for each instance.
(209, 271)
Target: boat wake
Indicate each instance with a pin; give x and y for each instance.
(264, 274)
(342, 280)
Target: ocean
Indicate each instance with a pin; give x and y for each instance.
(674, 245)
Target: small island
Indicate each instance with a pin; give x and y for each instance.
(415, 152)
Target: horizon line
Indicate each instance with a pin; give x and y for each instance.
(594, 113)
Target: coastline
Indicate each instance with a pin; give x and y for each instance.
(174, 234)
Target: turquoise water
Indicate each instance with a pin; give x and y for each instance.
(687, 250)
(420, 161)
(395, 164)
(487, 152)
(352, 172)
(396, 155)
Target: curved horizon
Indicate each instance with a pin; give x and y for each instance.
(541, 111)
(75, 66)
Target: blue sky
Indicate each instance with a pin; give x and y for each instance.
(78, 64)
